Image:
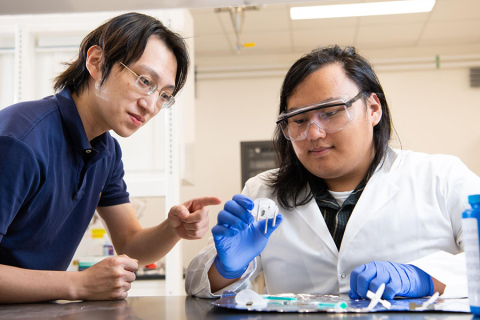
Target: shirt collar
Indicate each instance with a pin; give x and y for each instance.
(74, 124)
(323, 197)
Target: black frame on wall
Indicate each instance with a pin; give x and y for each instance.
(257, 157)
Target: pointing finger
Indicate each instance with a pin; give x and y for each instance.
(199, 203)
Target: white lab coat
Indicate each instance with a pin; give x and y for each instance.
(411, 208)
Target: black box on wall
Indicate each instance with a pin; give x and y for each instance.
(257, 157)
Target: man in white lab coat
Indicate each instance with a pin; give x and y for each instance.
(59, 163)
(354, 212)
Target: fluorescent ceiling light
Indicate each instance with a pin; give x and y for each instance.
(361, 9)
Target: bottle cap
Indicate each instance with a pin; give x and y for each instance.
(475, 198)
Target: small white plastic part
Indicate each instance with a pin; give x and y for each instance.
(431, 300)
(427, 305)
(250, 298)
(377, 297)
(265, 209)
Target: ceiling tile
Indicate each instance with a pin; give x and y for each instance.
(324, 24)
(207, 23)
(212, 43)
(313, 38)
(200, 11)
(389, 34)
(265, 42)
(266, 20)
(224, 18)
(448, 32)
(394, 19)
(451, 22)
(445, 10)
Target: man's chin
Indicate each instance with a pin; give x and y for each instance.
(326, 172)
(125, 133)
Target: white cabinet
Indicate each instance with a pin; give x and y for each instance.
(7, 64)
(33, 49)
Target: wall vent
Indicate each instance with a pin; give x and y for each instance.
(475, 77)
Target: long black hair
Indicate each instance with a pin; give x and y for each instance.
(123, 39)
(290, 181)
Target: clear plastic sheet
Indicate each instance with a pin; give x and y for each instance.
(306, 303)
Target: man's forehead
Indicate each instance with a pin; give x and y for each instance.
(156, 76)
(327, 101)
(151, 72)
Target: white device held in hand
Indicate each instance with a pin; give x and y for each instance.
(265, 209)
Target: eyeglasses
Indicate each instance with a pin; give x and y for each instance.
(331, 117)
(148, 86)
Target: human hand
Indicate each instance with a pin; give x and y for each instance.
(109, 279)
(190, 220)
(238, 237)
(400, 280)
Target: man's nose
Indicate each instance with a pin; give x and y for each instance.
(149, 103)
(315, 131)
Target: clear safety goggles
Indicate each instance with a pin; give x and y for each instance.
(329, 116)
(148, 86)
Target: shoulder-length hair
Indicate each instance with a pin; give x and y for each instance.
(290, 181)
(123, 39)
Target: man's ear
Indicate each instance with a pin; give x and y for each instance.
(374, 109)
(94, 62)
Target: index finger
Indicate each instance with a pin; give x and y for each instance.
(199, 203)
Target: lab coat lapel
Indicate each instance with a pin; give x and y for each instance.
(378, 191)
(314, 219)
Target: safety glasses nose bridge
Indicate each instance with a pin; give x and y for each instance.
(304, 135)
(318, 125)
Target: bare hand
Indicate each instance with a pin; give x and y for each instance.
(109, 279)
(190, 220)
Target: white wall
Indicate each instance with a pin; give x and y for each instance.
(434, 111)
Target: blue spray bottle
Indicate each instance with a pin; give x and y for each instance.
(471, 245)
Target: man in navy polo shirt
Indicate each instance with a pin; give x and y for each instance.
(58, 164)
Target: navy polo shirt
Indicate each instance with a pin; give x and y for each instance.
(51, 181)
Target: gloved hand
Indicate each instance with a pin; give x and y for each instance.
(400, 280)
(238, 237)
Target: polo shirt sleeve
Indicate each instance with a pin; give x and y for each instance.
(115, 189)
(20, 177)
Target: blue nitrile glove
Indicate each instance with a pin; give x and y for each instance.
(400, 280)
(238, 237)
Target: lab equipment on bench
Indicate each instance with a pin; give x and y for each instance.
(249, 300)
